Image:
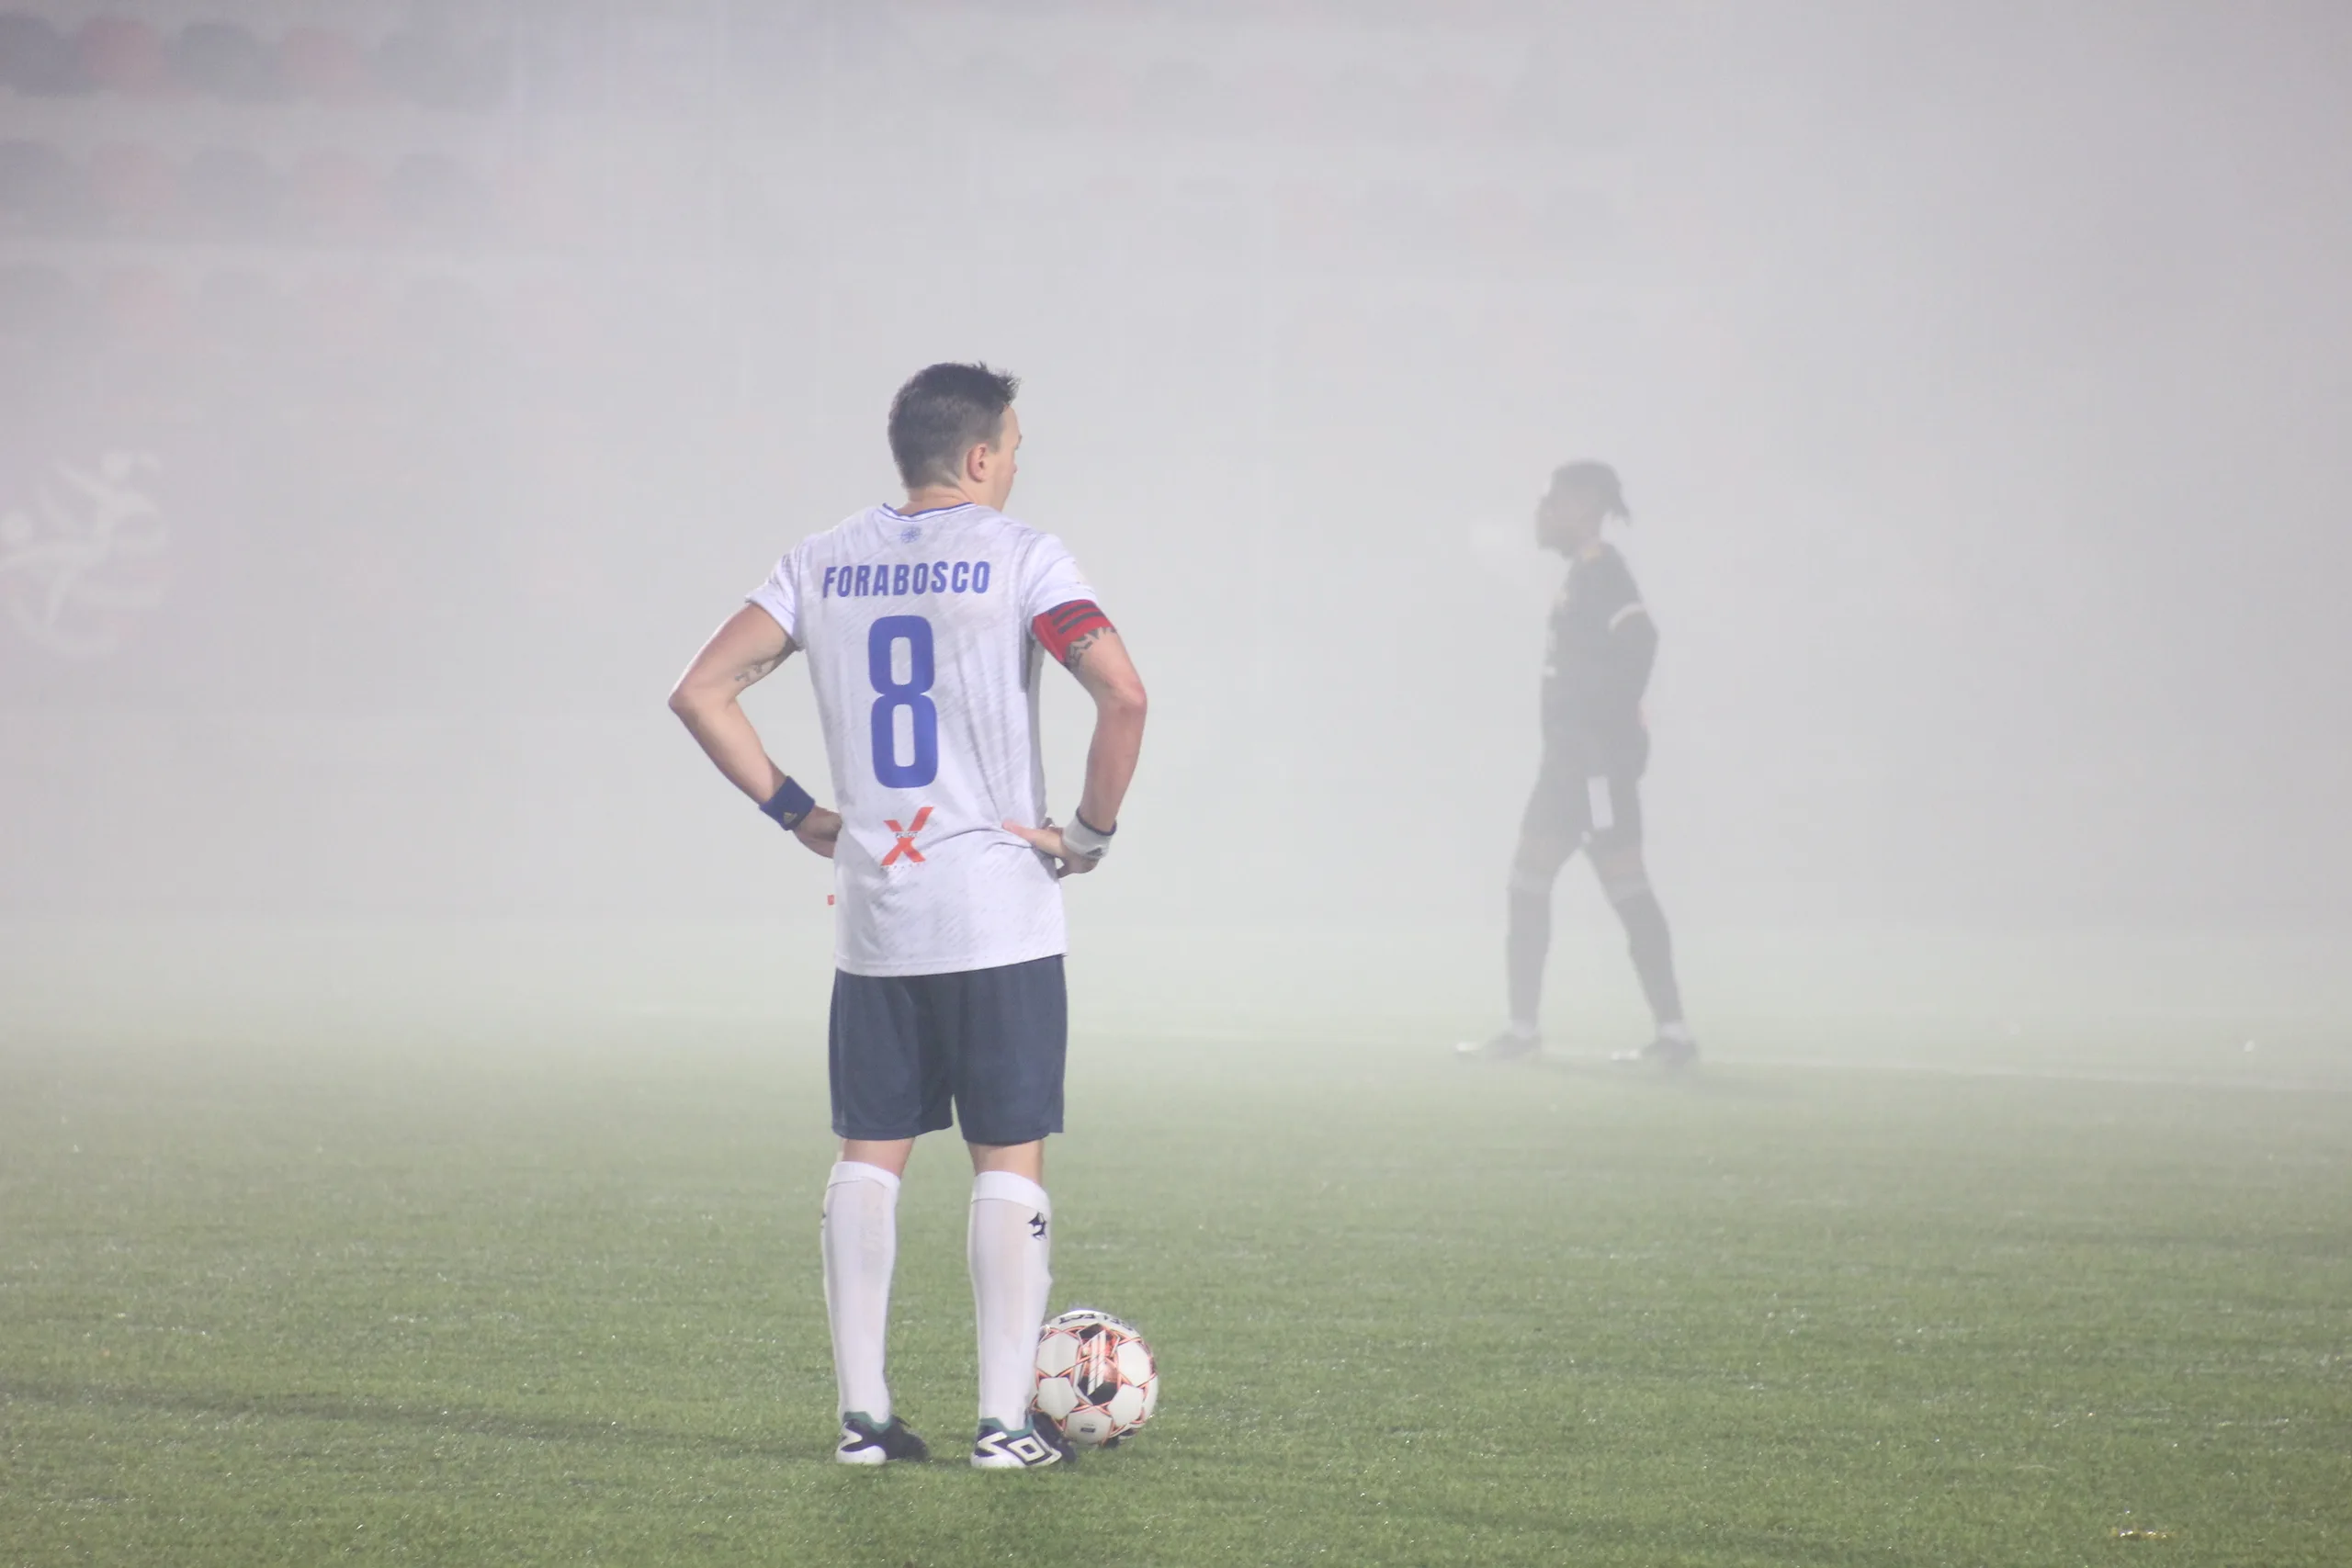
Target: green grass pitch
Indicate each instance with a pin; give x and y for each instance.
(276, 1297)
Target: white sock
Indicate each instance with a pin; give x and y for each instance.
(1009, 1250)
(861, 1244)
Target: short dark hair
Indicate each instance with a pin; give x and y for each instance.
(944, 412)
(1596, 480)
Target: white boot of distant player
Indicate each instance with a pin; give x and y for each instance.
(861, 1247)
(1009, 1251)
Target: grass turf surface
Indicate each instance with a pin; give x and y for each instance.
(293, 1299)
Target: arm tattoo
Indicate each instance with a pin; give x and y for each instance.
(758, 668)
(1076, 653)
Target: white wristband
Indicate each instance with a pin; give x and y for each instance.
(1084, 842)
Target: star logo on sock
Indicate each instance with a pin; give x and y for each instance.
(1037, 1227)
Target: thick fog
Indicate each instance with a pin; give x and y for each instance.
(396, 396)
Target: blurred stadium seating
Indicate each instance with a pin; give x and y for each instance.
(40, 190)
(335, 196)
(226, 60)
(135, 190)
(326, 66)
(123, 54)
(38, 59)
(232, 193)
(131, 190)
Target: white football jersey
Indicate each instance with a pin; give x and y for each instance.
(916, 629)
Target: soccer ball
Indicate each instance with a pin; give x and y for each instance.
(1095, 1376)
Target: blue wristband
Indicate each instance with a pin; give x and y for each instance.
(790, 805)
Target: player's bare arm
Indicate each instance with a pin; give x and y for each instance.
(1101, 664)
(746, 648)
(1098, 656)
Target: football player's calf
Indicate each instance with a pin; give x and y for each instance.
(1009, 1244)
(860, 1243)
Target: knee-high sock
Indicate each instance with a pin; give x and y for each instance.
(1653, 950)
(1527, 939)
(1009, 1251)
(860, 1245)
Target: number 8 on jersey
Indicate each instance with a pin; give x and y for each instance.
(911, 697)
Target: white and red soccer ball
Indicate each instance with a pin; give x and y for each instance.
(1096, 1377)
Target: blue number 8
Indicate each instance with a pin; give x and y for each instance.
(879, 644)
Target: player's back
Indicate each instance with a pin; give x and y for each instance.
(917, 632)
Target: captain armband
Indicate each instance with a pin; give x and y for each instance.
(1063, 626)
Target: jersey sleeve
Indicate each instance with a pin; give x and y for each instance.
(1629, 641)
(780, 595)
(1050, 579)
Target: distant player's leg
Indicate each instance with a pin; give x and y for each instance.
(1626, 879)
(878, 1109)
(1527, 940)
(1548, 835)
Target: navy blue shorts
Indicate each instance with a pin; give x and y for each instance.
(990, 1041)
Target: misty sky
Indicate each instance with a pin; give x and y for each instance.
(1979, 377)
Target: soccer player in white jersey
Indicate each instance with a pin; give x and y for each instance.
(926, 626)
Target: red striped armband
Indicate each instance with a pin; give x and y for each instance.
(1064, 624)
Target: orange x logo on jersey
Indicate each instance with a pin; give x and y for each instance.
(906, 844)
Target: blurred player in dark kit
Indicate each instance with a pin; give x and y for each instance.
(1587, 791)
